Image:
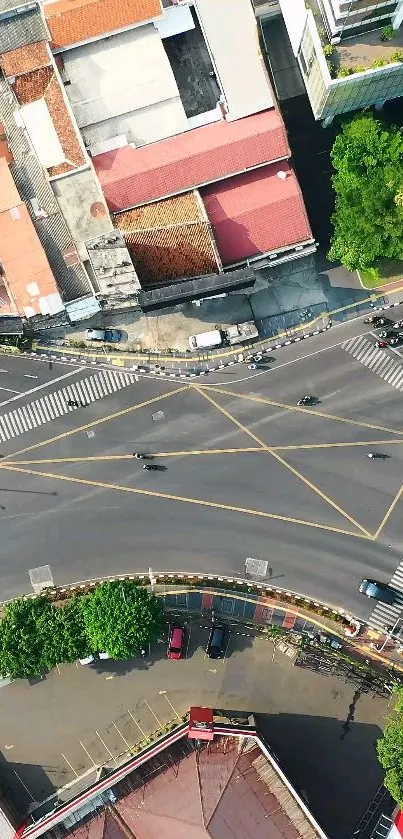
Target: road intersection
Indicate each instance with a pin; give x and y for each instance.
(249, 473)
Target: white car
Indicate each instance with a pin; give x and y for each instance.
(88, 659)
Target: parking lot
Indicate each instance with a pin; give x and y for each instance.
(79, 718)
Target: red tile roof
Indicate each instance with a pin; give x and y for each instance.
(72, 21)
(130, 177)
(26, 58)
(257, 212)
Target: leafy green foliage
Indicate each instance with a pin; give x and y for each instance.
(35, 634)
(368, 220)
(120, 618)
(390, 751)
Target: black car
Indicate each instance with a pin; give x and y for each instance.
(216, 642)
(379, 591)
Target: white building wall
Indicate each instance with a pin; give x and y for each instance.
(115, 83)
(230, 29)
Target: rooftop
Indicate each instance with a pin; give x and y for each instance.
(74, 21)
(29, 282)
(24, 59)
(130, 177)
(224, 789)
(256, 213)
(169, 240)
(360, 52)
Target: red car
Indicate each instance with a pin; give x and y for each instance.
(176, 641)
(382, 344)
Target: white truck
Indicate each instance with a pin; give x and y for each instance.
(206, 340)
(232, 335)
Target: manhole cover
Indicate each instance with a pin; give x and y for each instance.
(159, 415)
(255, 567)
(41, 578)
(90, 433)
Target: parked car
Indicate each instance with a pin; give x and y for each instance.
(216, 642)
(110, 335)
(176, 641)
(88, 659)
(379, 591)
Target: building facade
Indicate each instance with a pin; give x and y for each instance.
(349, 52)
(145, 147)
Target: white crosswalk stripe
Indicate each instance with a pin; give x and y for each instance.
(54, 405)
(375, 359)
(385, 616)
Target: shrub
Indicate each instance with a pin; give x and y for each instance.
(388, 33)
(328, 50)
(397, 55)
(379, 62)
(344, 71)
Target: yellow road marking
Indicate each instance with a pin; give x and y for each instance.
(193, 453)
(94, 423)
(201, 452)
(388, 513)
(319, 492)
(295, 472)
(315, 413)
(230, 417)
(335, 445)
(197, 501)
(144, 360)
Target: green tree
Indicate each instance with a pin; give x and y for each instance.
(23, 635)
(368, 221)
(120, 618)
(390, 751)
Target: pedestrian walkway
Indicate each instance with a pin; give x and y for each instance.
(376, 360)
(53, 405)
(386, 617)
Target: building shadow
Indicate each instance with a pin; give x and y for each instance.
(23, 784)
(331, 762)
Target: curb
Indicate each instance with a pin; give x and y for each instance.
(160, 372)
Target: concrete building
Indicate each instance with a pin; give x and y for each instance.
(146, 147)
(348, 60)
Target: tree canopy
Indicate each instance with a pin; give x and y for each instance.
(367, 157)
(36, 634)
(390, 751)
(121, 618)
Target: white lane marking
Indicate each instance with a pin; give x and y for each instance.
(29, 376)
(10, 390)
(73, 372)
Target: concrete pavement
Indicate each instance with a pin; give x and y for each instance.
(85, 716)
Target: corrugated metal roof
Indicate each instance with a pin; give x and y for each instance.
(42, 133)
(232, 35)
(9, 196)
(112, 77)
(256, 213)
(171, 295)
(21, 27)
(130, 177)
(11, 326)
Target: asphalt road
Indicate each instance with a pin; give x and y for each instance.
(312, 513)
(22, 376)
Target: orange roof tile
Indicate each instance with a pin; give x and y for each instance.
(72, 21)
(9, 195)
(169, 240)
(27, 280)
(64, 127)
(32, 86)
(24, 59)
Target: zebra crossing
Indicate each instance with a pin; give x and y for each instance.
(386, 617)
(376, 360)
(54, 405)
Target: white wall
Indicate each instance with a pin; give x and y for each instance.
(120, 76)
(294, 14)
